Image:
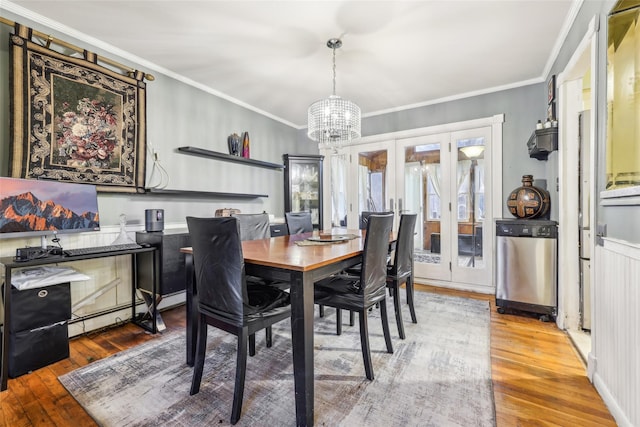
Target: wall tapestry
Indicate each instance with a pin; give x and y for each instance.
(74, 120)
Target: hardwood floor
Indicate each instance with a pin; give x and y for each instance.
(538, 377)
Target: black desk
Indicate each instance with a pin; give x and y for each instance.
(10, 265)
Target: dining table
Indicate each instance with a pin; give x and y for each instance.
(301, 260)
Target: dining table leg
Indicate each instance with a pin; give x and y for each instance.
(192, 312)
(301, 293)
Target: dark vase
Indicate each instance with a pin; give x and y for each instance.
(245, 145)
(234, 144)
(529, 201)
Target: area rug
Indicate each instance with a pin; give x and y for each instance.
(440, 375)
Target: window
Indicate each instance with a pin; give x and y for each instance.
(470, 179)
(623, 98)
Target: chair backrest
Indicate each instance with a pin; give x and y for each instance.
(364, 217)
(373, 277)
(219, 266)
(403, 260)
(253, 226)
(298, 222)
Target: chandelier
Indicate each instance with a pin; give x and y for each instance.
(333, 121)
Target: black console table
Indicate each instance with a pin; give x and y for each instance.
(169, 271)
(10, 264)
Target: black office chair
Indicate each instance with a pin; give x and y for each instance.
(225, 300)
(401, 270)
(298, 222)
(360, 293)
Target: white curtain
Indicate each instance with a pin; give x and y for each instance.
(363, 190)
(463, 176)
(480, 173)
(338, 189)
(480, 176)
(434, 172)
(463, 188)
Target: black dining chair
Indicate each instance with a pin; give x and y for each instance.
(364, 220)
(298, 222)
(401, 269)
(364, 217)
(355, 270)
(253, 226)
(225, 300)
(360, 293)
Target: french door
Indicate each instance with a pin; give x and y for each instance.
(371, 181)
(446, 179)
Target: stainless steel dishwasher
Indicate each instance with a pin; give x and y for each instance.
(526, 261)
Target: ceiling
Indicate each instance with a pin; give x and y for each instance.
(271, 56)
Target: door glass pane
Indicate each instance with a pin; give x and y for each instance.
(372, 178)
(305, 189)
(470, 202)
(422, 186)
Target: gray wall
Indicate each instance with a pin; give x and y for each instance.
(522, 108)
(622, 221)
(179, 114)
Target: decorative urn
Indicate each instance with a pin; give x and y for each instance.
(528, 201)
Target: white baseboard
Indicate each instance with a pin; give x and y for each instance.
(481, 289)
(617, 412)
(120, 316)
(560, 319)
(99, 322)
(592, 362)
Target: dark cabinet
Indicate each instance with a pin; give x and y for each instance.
(170, 267)
(278, 230)
(303, 185)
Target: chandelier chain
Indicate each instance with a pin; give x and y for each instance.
(333, 121)
(334, 70)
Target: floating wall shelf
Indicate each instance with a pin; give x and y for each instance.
(228, 157)
(542, 142)
(210, 194)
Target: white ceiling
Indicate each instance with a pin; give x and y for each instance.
(271, 56)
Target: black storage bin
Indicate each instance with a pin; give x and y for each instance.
(33, 308)
(34, 349)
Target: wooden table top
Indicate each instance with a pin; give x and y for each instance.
(283, 252)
